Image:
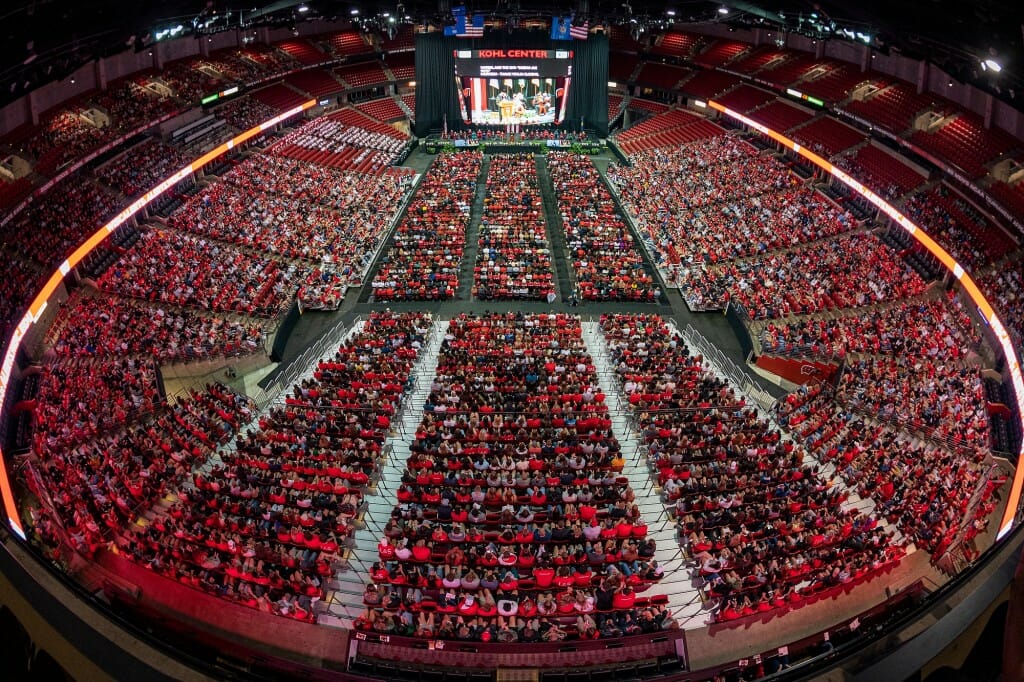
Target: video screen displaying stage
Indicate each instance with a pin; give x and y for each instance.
(504, 87)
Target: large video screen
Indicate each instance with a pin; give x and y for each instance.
(513, 86)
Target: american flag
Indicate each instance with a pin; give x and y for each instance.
(474, 28)
(466, 27)
(580, 32)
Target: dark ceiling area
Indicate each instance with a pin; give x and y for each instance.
(45, 39)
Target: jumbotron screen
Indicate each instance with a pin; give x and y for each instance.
(513, 86)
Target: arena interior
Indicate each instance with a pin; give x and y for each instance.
(351, 341)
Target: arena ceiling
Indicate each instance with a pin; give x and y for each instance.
(45, 39)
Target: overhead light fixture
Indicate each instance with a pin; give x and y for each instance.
(303, 8)
(355, 11)
(992, 65)
(670, 12)
(723, 10)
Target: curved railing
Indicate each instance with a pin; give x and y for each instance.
(38, 304)
(985, 308)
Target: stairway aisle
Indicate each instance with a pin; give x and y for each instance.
(383, 252)
(646, 247)
(469, 254)
(566, 285)
(684, 597)
(345, 600)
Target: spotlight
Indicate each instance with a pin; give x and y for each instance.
(303, 8)
(355, 11)
(723, 10)
(992, 65)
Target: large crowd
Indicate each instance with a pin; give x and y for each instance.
(184, 270)
(850, 271)
(716, 199)
(332, 142)
(514, 258)
(49, 231)
(1004, 286)
(21, 281)
(606, 259)
(296, 210)
(513, 521)
(923, 489)
(499, 135)
(246, 112)
(944, 398)
(81, 398)
(265, 526)
(425, 255)
(100, 484)
(91, 326)
(65, 136)
(141, 167)
(762, 526)
(131, 104)
(971, 238)
(936, 328)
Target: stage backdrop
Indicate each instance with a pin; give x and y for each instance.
(437, 96)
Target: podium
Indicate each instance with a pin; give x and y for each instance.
(506, 109)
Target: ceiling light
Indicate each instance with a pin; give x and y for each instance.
(992, 65)
(723, 10)
(303, 8)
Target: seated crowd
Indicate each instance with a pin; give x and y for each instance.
(529, 133)
(185, 270)
(1004, 287)
(513, 521)
(933, 328)
(884, 175)
(514, 259)
(62, 138)
(49, 231)
(605, 256)
(188, 82)
(239, 211)
(349, 193)
(131, 104)
(924, 489)
(100, 484)
(110, 325)
(331, 220)
(264, 527)
(716, 199)
(81, 398)
(943, 397)
(21, 282)
(970, 237)
(333, 138)
(763, 527)
(246, 112)
(425, 255)
(141, 167)
(850, 271)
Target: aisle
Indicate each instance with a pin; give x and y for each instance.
(345, 601)
(684, 597)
